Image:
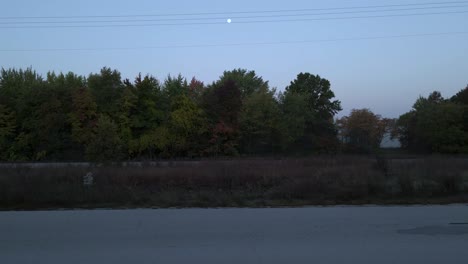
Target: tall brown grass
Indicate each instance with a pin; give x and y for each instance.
(256, 182)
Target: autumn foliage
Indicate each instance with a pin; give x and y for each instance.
(102, 117)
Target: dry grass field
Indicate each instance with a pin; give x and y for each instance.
(320, 180)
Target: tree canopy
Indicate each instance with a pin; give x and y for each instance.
(102, 117)
(435, 124)
(362, 131)
(317, 109)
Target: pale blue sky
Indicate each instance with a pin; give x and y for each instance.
(385, 75)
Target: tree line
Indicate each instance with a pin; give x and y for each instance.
(435, 124)
(102, 117)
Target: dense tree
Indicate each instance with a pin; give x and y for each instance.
(125, 116)
(461, 97)
(446, 126)
(7, 131)
(186, 125)
(102, 118)
(318, 93)
(106, 88)
(238, 113)
(223, 103)
(40, 108)
(320, 132)
(362, 131)
(148, 112)
(63, 86)
(174, 87)
(247, 81)
(105, 143)
(260, 123)
(16, 87)
(196, 89)
(83, 116)
(434, 125)
(65, 82)
(7, 123)
(152, 144)
(48, 125)
(295, 114)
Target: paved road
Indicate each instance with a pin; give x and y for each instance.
(416, 234)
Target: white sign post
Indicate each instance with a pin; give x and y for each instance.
(88, 179)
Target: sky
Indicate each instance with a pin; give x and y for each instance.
(371, 62)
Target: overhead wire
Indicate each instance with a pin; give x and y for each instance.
(218, 18)
(235, 12)
(238, 44)
(239, 19)
(233, 22)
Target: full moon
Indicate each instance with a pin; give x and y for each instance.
(229, 21)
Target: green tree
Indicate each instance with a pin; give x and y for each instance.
(461, 97)
(69, 81)
(7, 131)
(83, 116)
(434, 125)
(404, 130)
(16, 87)
(222, 103)
(64, 86)
(196, 89)
(48, 123)
(362, 131)
(40, 111)
(106, 88)
(105, 144)
(318, 93)
(18, 93)
(173, 88)
(147, 114)
(294, 113)
(126, 112)
(440, 128)
(320, 132)
(260, 121)
(247, 81)
(187, 125)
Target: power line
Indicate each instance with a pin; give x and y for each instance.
(236, 12)
(235, 22)
(352, 17)
(218, 18)
(240, 44)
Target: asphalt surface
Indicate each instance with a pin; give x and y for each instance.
(369, 234)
